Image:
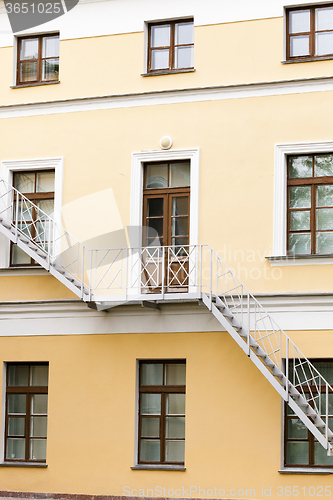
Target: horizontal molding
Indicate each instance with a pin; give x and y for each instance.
(176, 96)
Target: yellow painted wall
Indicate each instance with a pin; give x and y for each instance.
(233, 416)
(224, 54)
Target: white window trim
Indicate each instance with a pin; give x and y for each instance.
(280, 199)
(138, 161)
(8, 167)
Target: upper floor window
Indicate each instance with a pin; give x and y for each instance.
(310, 204)
(38, 59)
(170, 45)
(310, 32)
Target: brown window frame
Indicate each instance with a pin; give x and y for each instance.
(28, 391)
(163, 390)
(306, 181)
(310, 437)
(311, 33)
(33, 197)
(171, 47)
(39, 60)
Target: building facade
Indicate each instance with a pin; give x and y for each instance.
(161, 162)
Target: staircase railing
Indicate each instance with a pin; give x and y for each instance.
(158, 273)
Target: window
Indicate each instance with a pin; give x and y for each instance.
(310, 32)
(38, 187)
(26, 412)
(37, 59)
(162, 412)
(170, 45)
(310, 204)
(301, 448)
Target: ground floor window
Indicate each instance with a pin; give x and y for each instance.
(26, 412)
(162, 412)
(301, 447)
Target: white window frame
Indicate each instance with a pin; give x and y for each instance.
(282, 151)
(8, 167)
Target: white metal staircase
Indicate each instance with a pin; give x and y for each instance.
(113, 276)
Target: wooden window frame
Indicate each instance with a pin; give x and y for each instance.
(306, 181)
(33, 197)
(311, 33)
(28, 391)
(163, 390)
(39, 60)
(171, 47)
(310, 437)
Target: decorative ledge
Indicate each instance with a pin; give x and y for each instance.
(23, 271)
(22, 464)
(159, 467)
(309, 59)
(300, 260)
(33, 85)
(301, 470)
(168, 72)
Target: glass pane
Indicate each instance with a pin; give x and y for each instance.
(150, 427)
(39, 404)
(179, 226)
(29, 48)
(51, 46)
(325, 218)
(325, 368)
(157, 176)
(18, 375)
(38, 426)
(175, 374)
(297, 453)
(180, 205)
(150, 450)
(45, 182)
(157, 225)
(324, 243)
(184, 57)
(47, 206)
(321, 457)
(160, 36)
(300, 244)
(330, 404)
(50, 70)
(16, 403)
(296, 429)
(323, 165)
(28, 72)
(38, 449)
(25, 183)
(160, 59)
(39, 375)
(324, 43)
(179, 242)
(19, 257)
(16, 426)
(300, 197)
(15, 448)
(324, 18)
(175, 451)
(155, 207)
(175, 404)
(324, 196)
(150, 404)
(175, 427)
(300, 166)
(299, 46)
(184, 33)
(180, 174)
(151, 374)
(299, 21)
(299, 220)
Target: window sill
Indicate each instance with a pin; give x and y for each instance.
(168, 72)
(24, 464)
(300, 260)
(159, 467)
(304, 470)
(24, 85)
(23, 271)
(308, 59)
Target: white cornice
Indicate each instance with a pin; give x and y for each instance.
(217, 93)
